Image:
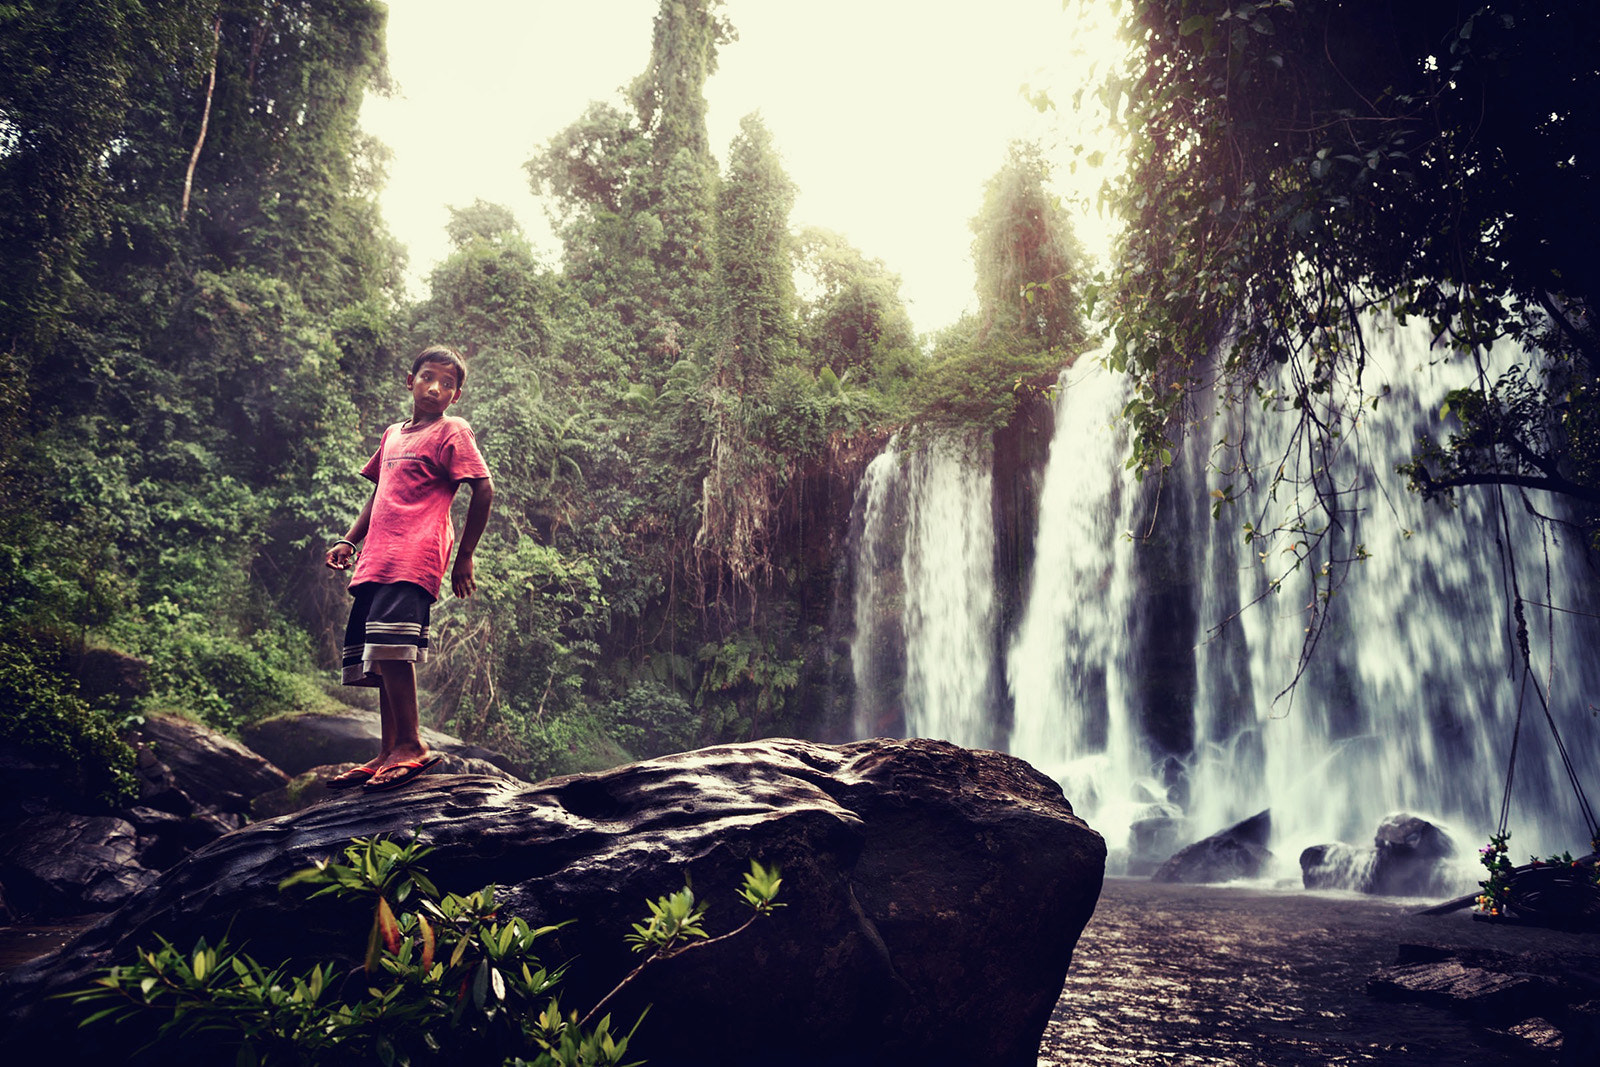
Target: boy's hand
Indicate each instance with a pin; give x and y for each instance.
(339, 556)
(462, 580)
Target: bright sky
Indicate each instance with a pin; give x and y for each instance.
(890, 115)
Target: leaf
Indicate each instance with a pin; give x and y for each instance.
(480, 984)
(428, 942)
(388, 926)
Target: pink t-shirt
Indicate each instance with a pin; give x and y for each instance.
(410, 536)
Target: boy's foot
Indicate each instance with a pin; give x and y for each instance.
(399, 774)
(353, 777)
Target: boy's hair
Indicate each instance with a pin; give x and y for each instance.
(442, 354)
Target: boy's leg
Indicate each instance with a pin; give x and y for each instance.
(397, 704)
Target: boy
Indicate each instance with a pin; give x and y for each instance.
(406, 524)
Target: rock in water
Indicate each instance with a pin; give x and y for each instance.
(1237, 852)
(1409, 857)
(1412, 857)
(933, 897)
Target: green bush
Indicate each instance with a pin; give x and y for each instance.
(650, 719)
(449, 981)
(226, 679)
(51, 723)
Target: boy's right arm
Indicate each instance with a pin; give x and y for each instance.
(344, 549)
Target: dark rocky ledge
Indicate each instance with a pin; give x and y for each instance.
(934, 896)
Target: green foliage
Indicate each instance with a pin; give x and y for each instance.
(48, 721)
(852, 318)
(188, 317)
(1298, 168)
(651, 718)
(227, 680)
(969, 384)
(451, 980)
(1028, 259)
(673, 918)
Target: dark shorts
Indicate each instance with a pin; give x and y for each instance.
(387, 621)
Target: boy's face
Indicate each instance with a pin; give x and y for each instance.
(433, 388)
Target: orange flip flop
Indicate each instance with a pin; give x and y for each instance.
(398, 774)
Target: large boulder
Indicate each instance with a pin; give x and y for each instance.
(1240, 851)
(58, 864)
(212, 770)
(1413, 858)
(1409, 857)
(62, 854)
(299, 741)
(934, 896)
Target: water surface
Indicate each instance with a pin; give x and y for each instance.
(1191, 975)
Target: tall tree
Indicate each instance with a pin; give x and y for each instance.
(1028, 259)
(853, 320)
(755, 334)
(218, 275)
(633, 196)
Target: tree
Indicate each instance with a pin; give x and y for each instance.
(1028, 260)
(632, 196)
(189, 213)
(1296, 168)
(853, 320)
(753, 337)
(1029, 323)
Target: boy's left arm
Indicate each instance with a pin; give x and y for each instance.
(462, 580)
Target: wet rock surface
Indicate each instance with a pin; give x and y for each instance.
(1409, 857)
(933, 896)
(299, 741)
(1177, 974)
(61, 855)
(1236, 853)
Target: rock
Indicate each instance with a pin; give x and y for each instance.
(311, 787)
(213, 770)
(165, 837)
(108, 676)
(1237, 852)
(1337, 866)
(62, 864)
(1409, 857)
(1535, 1037)
(67, 855)
(1540, 1002)
(933, 897)
(299, 741)
(1477, 991)
(1412, 858)
(1153, 837)
(1580, 1034)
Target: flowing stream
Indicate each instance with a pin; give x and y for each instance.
(1154, 663)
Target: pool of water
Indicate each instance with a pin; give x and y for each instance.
(1192, 975)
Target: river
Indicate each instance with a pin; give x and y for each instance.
(1199, 975)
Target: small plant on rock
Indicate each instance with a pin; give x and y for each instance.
(448, 980)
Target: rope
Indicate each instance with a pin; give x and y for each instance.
(1523, 647)
(1511, 764)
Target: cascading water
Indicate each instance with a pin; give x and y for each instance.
(1146, 668)
(945, 587)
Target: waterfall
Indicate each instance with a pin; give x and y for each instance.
(929, 512)
(1154, 669)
